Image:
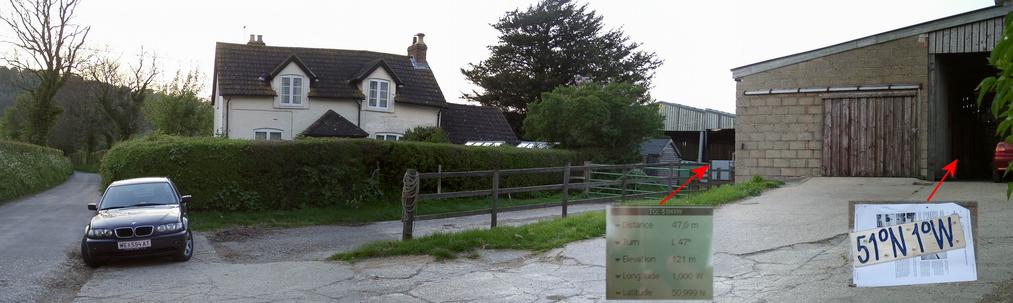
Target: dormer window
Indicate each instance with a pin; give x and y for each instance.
(379, 94)
(291, 91)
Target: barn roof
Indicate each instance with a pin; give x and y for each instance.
(920, 28)
(680, 117)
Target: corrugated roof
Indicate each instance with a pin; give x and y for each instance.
(680, 117)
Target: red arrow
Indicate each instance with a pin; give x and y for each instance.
(950, 170)
(697, 174)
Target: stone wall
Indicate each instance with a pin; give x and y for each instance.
(781, 136)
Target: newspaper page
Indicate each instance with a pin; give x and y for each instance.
(948, 266)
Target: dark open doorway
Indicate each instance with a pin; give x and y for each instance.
(971, 128)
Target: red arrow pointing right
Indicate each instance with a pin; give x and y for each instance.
(697, 174)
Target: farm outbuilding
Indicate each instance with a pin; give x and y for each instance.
(690, 126)
(896, 104)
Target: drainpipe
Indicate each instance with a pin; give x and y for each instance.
(703, 137)
(228, 102)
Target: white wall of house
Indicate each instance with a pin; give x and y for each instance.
(245, 115)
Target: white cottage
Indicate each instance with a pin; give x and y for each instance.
(278, 93)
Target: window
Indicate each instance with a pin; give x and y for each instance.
(291, 92)
(388, 137)
(379, 94)
(267, 134)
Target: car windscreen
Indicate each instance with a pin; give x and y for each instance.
(138, 195)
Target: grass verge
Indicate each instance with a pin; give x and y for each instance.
(27, 169)
(538, 236)
(542, 235)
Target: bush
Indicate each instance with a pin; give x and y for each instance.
(27, 169)
(431, 134)
(227, 174)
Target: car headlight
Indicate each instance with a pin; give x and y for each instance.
(99, 233)
(171, 227)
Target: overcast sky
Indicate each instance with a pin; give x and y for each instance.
(700, 41)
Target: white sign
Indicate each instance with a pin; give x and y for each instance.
(908, 240)
(940, 264)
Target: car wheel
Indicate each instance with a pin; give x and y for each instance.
(187, 251)
(88, 258)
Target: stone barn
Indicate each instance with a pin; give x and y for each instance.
(896, 104)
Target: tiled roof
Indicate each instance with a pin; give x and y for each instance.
(243, 70)
(332, 124)
(653, 147)
(463, 123)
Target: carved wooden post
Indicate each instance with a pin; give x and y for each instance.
(439, 179)
(495, 195)
(566, 186)
(587, 178)
(409, 194)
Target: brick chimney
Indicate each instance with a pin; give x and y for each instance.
(417, 51)
(259, 40)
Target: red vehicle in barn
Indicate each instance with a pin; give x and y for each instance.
(1001, 159)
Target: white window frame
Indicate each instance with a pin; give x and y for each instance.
(378, 98)
(387, 136)
(268, 133)
(292, 95)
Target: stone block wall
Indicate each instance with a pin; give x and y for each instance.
(780, 136)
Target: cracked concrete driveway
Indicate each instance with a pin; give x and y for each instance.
(788, 245)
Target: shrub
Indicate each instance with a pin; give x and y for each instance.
(431, 134)
(27, 169)
(227, 174)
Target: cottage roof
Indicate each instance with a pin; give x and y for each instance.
(332, 124)
(463, 123)
(245, 70)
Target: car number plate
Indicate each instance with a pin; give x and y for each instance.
(128, 245)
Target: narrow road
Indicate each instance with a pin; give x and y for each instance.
(39, 238)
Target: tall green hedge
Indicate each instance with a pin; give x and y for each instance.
(225, 174)
(27, 169)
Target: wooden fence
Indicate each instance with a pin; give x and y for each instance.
(611, 182)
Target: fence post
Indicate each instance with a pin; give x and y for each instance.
(670, 175)
(439, 179)
(622, 191)
(495, 195)
(587, 178)
(566, 186)
(409, 193)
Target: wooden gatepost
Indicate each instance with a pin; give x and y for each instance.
(409, 195)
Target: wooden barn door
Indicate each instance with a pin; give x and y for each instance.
(869, 136)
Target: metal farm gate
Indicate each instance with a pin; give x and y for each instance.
(869, 136)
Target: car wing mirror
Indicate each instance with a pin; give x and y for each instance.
(185, 199)
(92, 206)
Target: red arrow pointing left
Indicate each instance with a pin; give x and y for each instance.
(697, 174)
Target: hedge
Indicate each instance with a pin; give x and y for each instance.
(228, 174)
(27, 169)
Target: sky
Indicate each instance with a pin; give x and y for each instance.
(699, 41)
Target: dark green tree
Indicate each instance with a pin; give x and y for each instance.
(48, 46)
(614, 117)
(177, 109)
(551, 44)
(430, 134)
